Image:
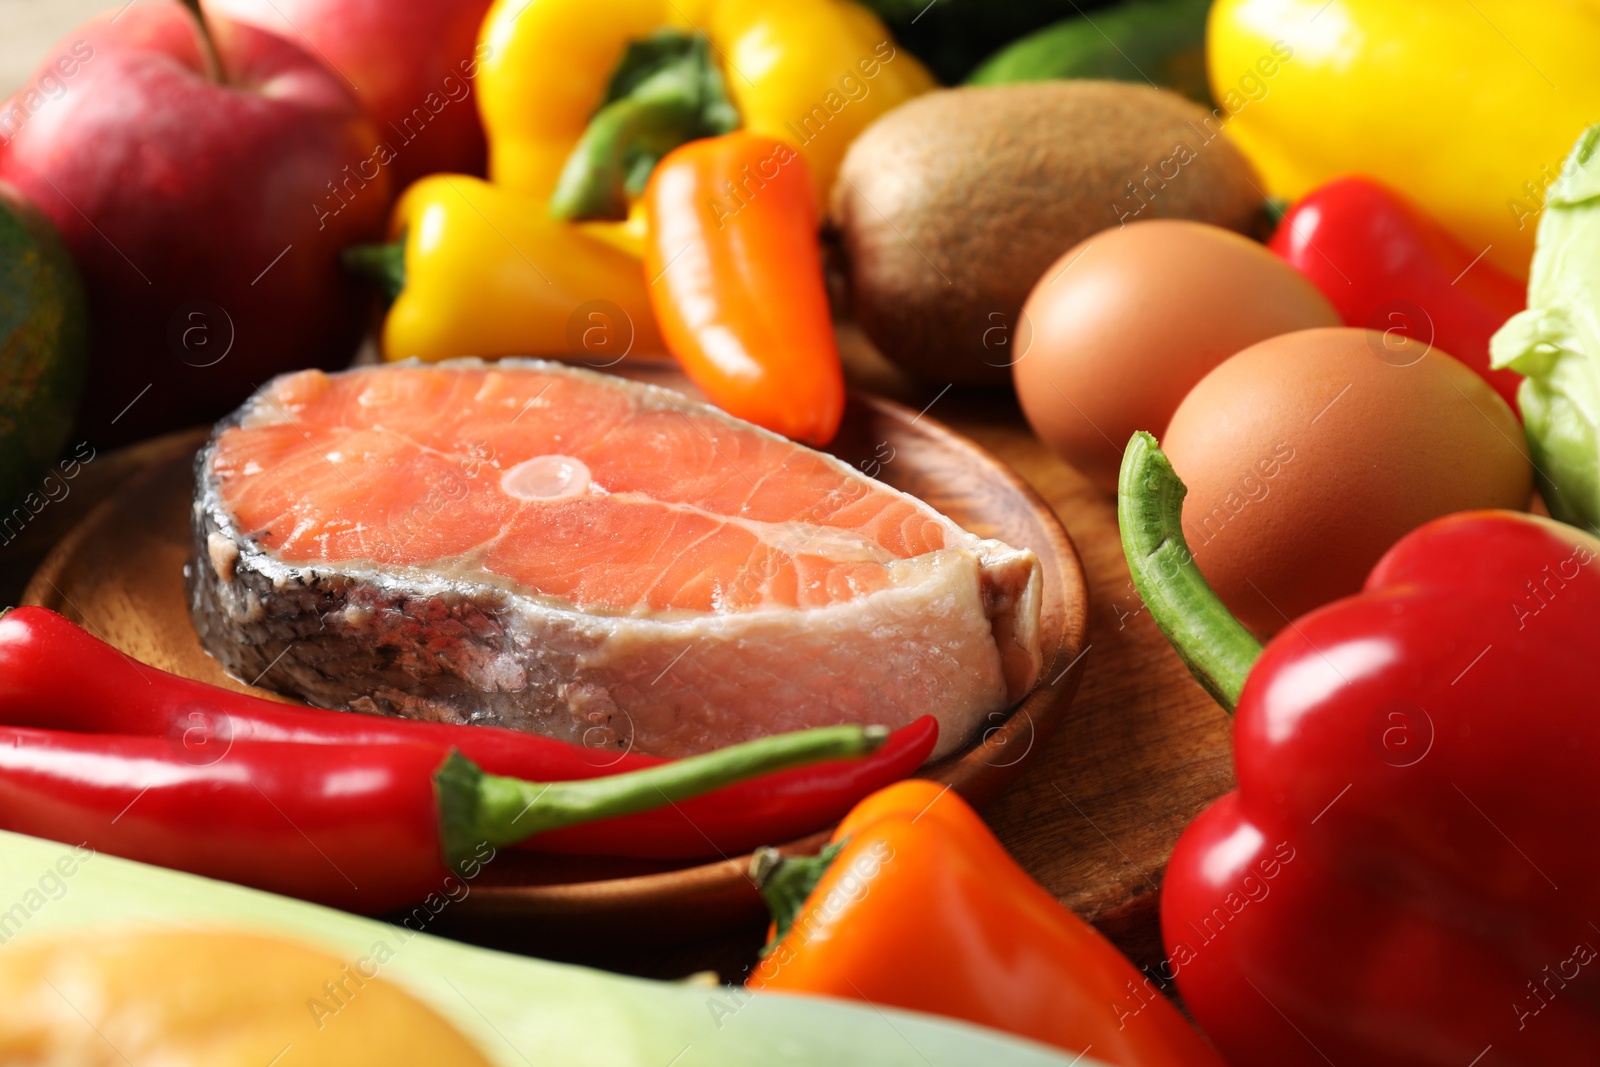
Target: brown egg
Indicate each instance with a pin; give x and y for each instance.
(1308, 455)
(1126, 323)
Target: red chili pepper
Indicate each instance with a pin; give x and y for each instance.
(1385, 265)
(261, 817)
(55, 675)
(732, 821)
(737, 282)
(366, 827)
(1407, 873)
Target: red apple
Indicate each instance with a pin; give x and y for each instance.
(200, 211)
(411, 64)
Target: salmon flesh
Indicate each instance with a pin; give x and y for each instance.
(531, 545)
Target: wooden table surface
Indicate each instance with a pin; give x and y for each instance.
(1143, 748)
(1094, 816)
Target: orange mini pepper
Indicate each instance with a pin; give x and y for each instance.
(736, 282)
(919, 906)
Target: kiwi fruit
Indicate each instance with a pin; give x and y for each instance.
(948, 208)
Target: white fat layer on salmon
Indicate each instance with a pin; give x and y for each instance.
(613, 563)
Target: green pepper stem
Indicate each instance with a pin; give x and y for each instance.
(475, 807)
(786, 883)
(383, 264)
(665, 91)
(1214, 645)
(620, 147)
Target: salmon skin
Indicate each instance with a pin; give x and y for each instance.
(531, 545)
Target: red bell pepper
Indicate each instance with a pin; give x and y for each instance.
(1408, 871)
(1387, 266)
(54, 675)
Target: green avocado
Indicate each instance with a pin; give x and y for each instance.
(1159, 41)
(43, 347)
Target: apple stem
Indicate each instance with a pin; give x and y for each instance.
(208, 45)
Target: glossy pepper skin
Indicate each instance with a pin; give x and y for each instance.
(923, 909)
(489, 273)
(738, 285)
(1466, 108)
(1385, 265)
(365, 827)
(1406, 874)
(260, 817)
(54, 675)
(814, 72)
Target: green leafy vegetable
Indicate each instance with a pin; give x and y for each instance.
(1555, 343)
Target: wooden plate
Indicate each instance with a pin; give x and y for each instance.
(119, 573)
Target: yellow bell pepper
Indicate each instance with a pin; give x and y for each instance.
(486, 269)
(488, 272)
(1468, 108)
(811, 72)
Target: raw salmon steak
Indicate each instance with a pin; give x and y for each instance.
(535, 546)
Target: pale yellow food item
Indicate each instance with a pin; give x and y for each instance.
(171, 998)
